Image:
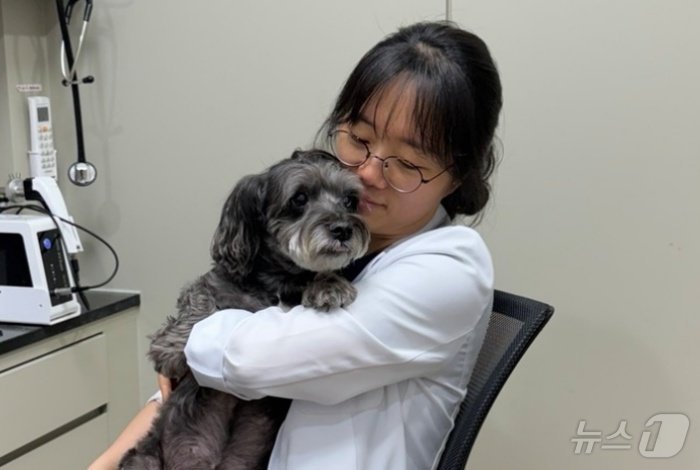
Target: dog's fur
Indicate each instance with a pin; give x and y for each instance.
(281, 236)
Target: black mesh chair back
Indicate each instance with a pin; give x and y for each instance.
(515, 322)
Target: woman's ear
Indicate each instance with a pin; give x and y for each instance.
(238, 236)
(454, 186)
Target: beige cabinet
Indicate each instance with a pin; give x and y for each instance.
(65, 398)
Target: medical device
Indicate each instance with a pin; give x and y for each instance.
(37, 281)
(42, 154)
(82, 172)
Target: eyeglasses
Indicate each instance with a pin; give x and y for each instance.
(400, 174)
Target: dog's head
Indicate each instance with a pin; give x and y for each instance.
(303, 209)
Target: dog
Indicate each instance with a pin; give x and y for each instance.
(282, 236)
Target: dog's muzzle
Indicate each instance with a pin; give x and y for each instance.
(331, 245)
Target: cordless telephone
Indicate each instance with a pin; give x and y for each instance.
(42, 154)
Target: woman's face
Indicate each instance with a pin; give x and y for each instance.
(386, 126)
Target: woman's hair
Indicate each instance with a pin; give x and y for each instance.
(457, 100)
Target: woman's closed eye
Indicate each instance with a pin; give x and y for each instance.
(405, 164)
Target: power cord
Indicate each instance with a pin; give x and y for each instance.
(73, 265)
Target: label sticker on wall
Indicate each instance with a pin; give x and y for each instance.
(29, 87)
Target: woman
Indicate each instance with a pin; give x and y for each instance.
(377, 385)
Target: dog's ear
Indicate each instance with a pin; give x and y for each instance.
(312, 154)
(298, 154)
(241, 229)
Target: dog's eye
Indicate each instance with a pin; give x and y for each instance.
(350, 202)
(300, 199)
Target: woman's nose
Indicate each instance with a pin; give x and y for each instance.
(370, 173)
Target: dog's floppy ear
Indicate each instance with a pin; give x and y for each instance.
(241, 229)
(312, 154)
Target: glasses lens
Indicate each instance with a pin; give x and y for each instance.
(348, 149)
(401, 175)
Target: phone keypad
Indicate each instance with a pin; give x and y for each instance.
(43, 154)
(45, 140)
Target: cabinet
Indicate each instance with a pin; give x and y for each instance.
(65, 397)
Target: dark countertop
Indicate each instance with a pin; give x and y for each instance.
(103, 303)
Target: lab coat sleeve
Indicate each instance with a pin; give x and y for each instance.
(411, 315)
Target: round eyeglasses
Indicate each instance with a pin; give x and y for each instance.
(400, 174)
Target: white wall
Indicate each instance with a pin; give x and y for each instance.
(596, 212)
(25, 42)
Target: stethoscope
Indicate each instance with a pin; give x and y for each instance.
(82, 172)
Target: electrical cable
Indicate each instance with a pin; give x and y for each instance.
(78, 288)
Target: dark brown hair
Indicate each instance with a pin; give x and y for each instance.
(457, 101)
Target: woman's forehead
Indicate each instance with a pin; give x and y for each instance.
(405, 108)
(391, 112)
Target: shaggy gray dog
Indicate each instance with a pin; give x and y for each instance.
(281, 236)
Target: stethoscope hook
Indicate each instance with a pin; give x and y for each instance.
(68, 73)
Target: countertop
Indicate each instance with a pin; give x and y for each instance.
(102, 303)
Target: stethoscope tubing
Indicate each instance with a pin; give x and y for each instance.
(69, 75)
(68, 70)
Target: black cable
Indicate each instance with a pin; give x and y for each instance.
(104, 242)
(75, 266)
(77, 288)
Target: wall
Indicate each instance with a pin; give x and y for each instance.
(25, 42)
(596, 212)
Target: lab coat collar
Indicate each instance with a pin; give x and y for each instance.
(439, 219)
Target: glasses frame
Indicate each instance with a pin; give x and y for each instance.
(368, 155)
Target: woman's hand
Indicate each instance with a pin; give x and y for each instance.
(165, 386)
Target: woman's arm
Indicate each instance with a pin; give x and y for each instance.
(135, 430)
(412, 313)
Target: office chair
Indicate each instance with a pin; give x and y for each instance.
(515, 322)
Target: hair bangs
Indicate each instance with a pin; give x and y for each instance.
(422, 73)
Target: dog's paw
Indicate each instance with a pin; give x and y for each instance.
(328, 291)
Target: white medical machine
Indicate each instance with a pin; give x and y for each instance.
(36, 277)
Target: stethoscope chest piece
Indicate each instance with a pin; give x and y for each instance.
(82, 173)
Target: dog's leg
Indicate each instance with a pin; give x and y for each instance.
(197, 427)
(253, 430)
(328, 291)
(195, 303)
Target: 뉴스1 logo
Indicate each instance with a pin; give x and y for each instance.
(663, 436)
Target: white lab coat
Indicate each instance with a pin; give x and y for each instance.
(376, 385)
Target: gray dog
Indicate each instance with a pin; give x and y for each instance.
(281, 237)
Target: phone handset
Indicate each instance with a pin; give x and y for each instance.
(42, 154)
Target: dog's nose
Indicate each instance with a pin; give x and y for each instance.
(341, 232)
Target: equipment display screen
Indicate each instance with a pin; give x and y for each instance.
(42, 114)
(14, 268)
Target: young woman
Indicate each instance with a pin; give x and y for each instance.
(376, 385)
